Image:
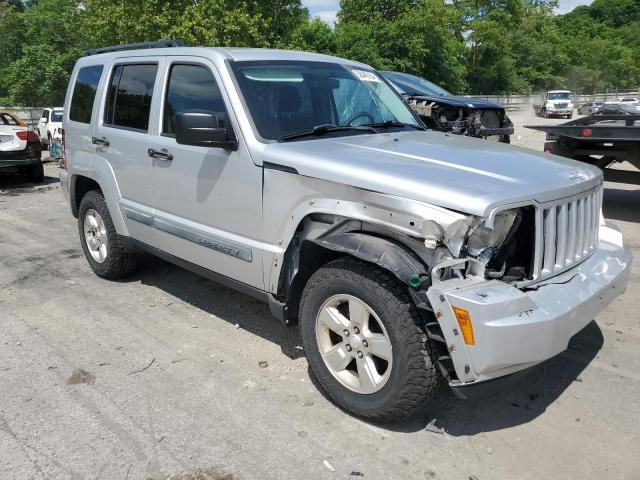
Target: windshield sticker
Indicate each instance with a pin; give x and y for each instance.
(366, 76)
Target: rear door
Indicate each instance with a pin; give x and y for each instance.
(208, 200)
(121, 139)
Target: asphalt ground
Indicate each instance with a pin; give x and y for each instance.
(168, 375)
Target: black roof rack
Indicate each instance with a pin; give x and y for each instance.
(136, 46)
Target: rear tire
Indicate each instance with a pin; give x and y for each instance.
(118, 260)
(411, 380)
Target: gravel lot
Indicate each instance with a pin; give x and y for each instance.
(160, 376)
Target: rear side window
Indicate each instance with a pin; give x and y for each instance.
(192, 88)
(84, 93)
(7, 119)
(130, 95)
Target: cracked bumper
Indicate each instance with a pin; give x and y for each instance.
(516, 329)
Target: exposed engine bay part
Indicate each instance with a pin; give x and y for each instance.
(506, 250)
(469, 121)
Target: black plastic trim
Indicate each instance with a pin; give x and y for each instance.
(280, 168)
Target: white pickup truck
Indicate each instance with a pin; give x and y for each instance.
(554, 103)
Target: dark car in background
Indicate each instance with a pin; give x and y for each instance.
(589, 108)
(443, 111)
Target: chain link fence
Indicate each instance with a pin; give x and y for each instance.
(31, 115)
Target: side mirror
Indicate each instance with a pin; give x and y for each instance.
(202, 130)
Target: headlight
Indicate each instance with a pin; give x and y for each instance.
(483, 237)
(475, 237)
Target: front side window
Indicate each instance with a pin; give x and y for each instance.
(192, 88)
(130, 95)
(289, 97)
(84, 93)
(45, 114)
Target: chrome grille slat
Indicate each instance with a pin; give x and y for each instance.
(570, 232)
(563, 234)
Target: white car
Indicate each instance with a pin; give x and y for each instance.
(627, 100)
(20, 148)
(50, 125)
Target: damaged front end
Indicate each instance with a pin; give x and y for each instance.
(459, 119)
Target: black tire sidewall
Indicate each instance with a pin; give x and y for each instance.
(386, 306)
(94, 200)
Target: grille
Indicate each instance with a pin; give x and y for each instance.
(569, 232)
(562, 105)
(490, 119)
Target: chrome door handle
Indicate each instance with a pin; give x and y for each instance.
(160, 154)
(102, 142)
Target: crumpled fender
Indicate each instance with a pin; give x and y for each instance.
(380, 251)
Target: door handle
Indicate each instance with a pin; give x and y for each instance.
(102, 142)
(162, 154)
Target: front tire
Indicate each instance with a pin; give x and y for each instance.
(103, 248)
(364, 342)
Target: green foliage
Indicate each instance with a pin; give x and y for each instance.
(467, 46)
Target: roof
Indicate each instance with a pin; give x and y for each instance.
(233, 54)
(559, 91)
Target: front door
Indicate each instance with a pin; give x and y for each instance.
(121, 138)
(208, 200)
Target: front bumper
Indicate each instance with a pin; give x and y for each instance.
(564, 111)
(515, 329)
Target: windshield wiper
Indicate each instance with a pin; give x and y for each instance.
(393, 124)
(324, 129)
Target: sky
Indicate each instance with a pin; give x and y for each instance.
(327, 9)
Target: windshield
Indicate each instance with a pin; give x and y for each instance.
(411, 84)
(559, 96)
(56, 116)
(288, 97)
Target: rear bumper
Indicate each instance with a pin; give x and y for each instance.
(516, 329)
(12, 159)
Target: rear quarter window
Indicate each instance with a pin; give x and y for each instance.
(84, 93)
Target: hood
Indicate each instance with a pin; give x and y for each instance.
(451, 171)
(461, 101)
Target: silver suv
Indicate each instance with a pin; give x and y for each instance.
(406, 256)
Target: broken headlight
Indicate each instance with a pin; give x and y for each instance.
(473, 237)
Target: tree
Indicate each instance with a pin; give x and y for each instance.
(420, 37)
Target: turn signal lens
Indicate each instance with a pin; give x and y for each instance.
(464, 321)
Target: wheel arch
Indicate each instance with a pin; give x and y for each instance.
(81, 182)
(79, 186)
(380, 246)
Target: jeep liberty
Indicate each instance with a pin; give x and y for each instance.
(405, 256)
